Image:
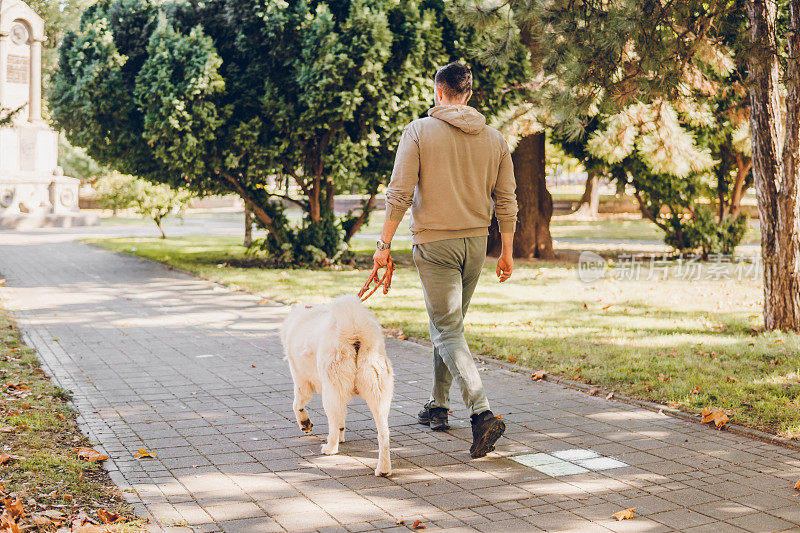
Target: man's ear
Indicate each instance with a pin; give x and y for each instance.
(468, 97)
(439, 93)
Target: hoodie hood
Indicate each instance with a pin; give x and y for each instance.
(463, 117)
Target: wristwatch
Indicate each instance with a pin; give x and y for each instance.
(383, 245)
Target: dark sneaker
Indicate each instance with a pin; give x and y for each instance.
(486, 429)
(435, 417)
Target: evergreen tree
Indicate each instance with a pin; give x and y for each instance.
(255, 96)
(641, 56)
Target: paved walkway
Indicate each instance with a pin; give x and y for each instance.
(179, 366)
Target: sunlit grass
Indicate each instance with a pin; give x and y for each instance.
(658, 340)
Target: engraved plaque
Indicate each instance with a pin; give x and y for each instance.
(17, 69)
(27, 149)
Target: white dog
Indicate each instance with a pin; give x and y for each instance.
(338, 351)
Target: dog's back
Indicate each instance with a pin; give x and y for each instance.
(338, 350)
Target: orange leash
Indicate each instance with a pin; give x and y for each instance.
(386, 281)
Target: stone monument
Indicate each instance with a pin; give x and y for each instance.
(33, 190)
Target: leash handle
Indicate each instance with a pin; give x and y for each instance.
(385, 281)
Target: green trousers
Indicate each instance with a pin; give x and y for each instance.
(449, 271)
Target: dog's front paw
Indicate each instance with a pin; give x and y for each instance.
(306, 425)
(330, 449)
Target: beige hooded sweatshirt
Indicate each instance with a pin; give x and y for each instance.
(450, 168)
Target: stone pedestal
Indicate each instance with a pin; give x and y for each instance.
(33, 190)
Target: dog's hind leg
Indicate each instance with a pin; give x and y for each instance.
(302, 395)
(380, 406)
(336, 409)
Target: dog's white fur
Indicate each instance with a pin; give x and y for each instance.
(338, 351)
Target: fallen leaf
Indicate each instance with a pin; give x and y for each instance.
(512, 359)
(55, 515)
(718, 417)
(797, 485)
(609, 396)
(418, 524)
(14, 507)
(538, 375)
(107, 516)
(40, 519)
(606, 307)
(90, 454)
(400, 522)
(585, 306)
(8, 524)
(592, 392)
(696, 390)
(624, 514)
(662, 377)
(2, 281)
(11, 514)
(144, 454)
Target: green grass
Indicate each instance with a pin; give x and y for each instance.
(652, 339)
(39, 427)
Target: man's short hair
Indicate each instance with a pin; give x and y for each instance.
(455, 79)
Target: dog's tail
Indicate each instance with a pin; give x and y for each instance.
(355, 325)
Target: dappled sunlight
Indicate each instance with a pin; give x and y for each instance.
(609, 415)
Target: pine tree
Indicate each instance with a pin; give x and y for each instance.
(775, 132)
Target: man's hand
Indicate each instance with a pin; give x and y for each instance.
(505, 265)
(381, 258)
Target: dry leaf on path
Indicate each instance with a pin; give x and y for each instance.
(4, 458)
(592, 392)
(609, 396)
(538, 375)
(718, 417)
(90, 454)
(797, 485)
(143, 454)
(107, 516)
(624, 514)
(419, 524)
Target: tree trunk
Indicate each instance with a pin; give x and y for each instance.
(532, 238)
(314, 208)
(775, 173)
(257, 210)
(248, 226)
(366, 209)
(589, 204)
(743, 165)
(161, 229)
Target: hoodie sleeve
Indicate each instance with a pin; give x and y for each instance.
(405, 175)
(504, 195)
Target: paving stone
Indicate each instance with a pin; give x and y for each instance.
(171, 364)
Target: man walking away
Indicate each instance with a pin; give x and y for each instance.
(451, 168)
